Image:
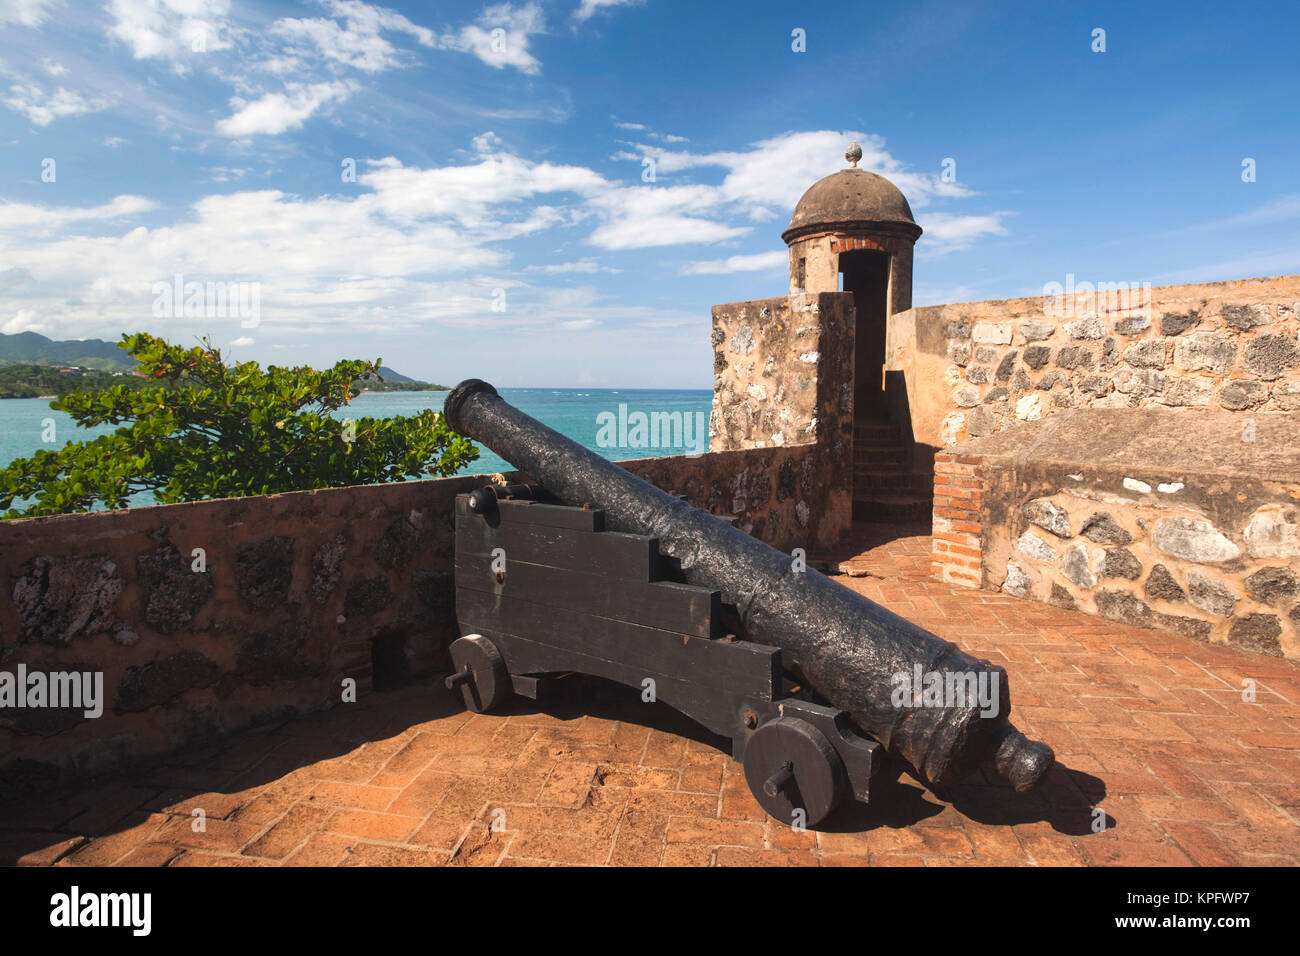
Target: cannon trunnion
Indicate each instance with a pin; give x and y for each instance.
(543, 589)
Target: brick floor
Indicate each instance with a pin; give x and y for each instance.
(1150, 730)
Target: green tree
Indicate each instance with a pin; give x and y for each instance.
(212, 430)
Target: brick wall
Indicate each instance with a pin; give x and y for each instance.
(957, 537)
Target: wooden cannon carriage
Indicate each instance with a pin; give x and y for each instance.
(543, 589)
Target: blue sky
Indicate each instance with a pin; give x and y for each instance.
(499, 225)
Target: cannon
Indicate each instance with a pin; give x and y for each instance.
(802, 673)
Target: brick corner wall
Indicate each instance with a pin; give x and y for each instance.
(958, 534)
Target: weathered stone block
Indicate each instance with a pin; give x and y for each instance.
(1035, 547)
(1123, 607)
(982, 422)
(264, 571)
(1037, 331)
(1086, 328)
(959, 353)
(1139, 384)
(1209, 594)
(957, 330)
(1076, 356)
(1161, 584)
(998, 393)
(1257, 632)
(1287, 396)
(1246, 317)
(1048, 516)
(1093, 384)
(58, 599)
(1176, 323)
(1029, 408)
(1189, 392)
(986, 355)
(1121, 563)
(1273, 531)
(1272, 585)
(1147, 354)
(1060, 597)
(1051, 379)
(327, 565)
(979, 374)
(398, 544)
(1269, 356)
(1194, 540)
(1239, 394)
(174, 591)
(160, 681)
(1103, 529)
(1186, 626)
(1016, 581)
(1036, 356)
(1133, 325)
(1205, 351)
(1110, 354)
(1006, 366)
(992, 333)
(968, 396)
(1075, 567)
(367, 596)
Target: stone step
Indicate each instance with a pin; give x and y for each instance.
(868, 456)
(871, 481)
(889, 509)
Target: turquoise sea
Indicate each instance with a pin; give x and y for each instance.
(578, 413)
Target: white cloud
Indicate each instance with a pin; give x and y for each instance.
(590, 8)
(585, 266)
(946, 233)
(29, 13)
(24, 320)
(275, 113)
(170, 29)
(53, 67)
(500, 37)
(759, 262)
(113, 142)
(242, 340)
(358, 43)
(42, 109)
(24, 217)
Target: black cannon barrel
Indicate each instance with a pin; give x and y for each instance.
(850, 650)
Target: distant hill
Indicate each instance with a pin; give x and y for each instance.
(32, 348)
(397, 382)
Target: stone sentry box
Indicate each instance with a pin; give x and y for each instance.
(1187, 521)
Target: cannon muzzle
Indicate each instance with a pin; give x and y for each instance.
(923, 698)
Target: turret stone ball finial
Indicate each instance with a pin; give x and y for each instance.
(853, 154)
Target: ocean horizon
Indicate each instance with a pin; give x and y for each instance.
(671, 422)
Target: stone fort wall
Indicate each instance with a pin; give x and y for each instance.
(977, 368)
(297, 593)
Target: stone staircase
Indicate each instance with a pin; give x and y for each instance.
(885, 488)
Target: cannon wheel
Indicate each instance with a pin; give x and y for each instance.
(479, 671)
(791, 766)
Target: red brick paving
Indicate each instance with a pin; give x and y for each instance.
(1149, 729)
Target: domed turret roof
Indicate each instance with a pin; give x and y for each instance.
(852, 196)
